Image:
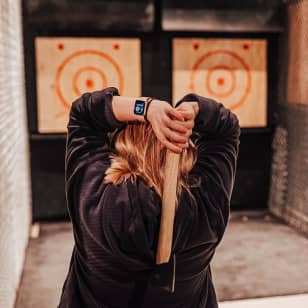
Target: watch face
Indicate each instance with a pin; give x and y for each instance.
(139, 107)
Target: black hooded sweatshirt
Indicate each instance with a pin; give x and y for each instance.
(116, 227)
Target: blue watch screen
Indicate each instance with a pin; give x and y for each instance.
(139, 107)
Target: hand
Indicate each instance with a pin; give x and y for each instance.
(169, 125)
(189, 110)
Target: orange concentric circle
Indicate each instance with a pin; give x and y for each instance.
(90, 82)
(72, 59)
(221, 74)
(220, 81)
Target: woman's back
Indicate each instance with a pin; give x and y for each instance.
(116, 226)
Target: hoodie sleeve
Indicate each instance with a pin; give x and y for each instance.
(218, 132)
(91, 118)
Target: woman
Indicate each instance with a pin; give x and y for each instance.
(114, 180)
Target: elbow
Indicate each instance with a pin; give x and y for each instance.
(78, 105)
(236, 128)
(78, 108)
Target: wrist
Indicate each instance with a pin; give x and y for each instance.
(149, 100)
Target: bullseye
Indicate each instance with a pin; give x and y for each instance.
(223, 80)
(220, 81)
(220, 86)
(88, 72)
(88, 77)
(89, 83)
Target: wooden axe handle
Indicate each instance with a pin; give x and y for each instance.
(168, 208)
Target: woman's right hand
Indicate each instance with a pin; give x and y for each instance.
(172, 126)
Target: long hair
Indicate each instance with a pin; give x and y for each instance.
(138, 152)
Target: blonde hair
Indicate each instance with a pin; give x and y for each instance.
(140, 153)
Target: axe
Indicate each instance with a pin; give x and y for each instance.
(168, 207)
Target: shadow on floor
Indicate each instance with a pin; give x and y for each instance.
(259, 256)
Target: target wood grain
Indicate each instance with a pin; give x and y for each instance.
(68, 67)
(232, 71)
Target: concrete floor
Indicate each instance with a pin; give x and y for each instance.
(258, 257)
(45, 267)
(291, 301)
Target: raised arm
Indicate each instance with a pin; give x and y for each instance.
(90, 120)
(218, 144)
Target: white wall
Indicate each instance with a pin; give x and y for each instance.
(15, 198)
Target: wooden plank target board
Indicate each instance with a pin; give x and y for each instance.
(231, 71)
(68, 67)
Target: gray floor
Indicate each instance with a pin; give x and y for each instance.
(45, 267)
(259, 256)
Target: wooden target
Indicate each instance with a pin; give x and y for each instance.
(68, 67)
(232, 71)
